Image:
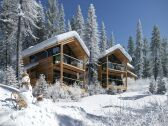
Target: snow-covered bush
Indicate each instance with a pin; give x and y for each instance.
(57, 92)
(2, 75)
(140, 85)
(63, 92)
(41, 87)
(96, 89)
(10, 77)
(152, 87)
(156, 115)
(161, 86)
(75, 92)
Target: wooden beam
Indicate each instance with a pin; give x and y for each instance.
(61, 65)
(126, 75)
(107, 75)
(84, 76)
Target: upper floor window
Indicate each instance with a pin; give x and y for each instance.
(56, 50)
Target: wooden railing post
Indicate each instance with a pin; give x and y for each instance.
(61, 65)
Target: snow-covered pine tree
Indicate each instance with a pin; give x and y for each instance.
(156, 65)
(111, 41)
(10, 77)
(146, 69)
(164, 54)
(139, 51)
(6, 35)
(161, 85)
(103, 38)
(73, 22)
(69, 28)
(23, 16)
(52, 18)
(41, 86)
(26, 18)
(41, 32)
(61, 20)
(79, 22)
(92, 33)
(131, 49)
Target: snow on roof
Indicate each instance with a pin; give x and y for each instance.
(115, 47)
(130, 66)
(52, 41)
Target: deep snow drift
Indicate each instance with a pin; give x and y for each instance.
(96, 110)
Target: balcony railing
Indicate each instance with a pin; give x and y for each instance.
(68, 60)
(114, 66)
(113, 82)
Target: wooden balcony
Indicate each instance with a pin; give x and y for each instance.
(70, 64)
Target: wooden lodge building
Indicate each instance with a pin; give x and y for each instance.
(115, 68)
(61, 57)
(65, 57)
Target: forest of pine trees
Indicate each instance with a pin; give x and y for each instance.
(24, 24)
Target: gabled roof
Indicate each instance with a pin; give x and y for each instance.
(116, 47)
(52, 41)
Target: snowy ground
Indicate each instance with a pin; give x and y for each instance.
(89, 111)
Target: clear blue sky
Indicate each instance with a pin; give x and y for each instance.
(121, 16)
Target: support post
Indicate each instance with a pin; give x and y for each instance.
(61, 65)
(84, 74)
(126, 75)
(107, 76)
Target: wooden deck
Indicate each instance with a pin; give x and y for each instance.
(69, 68)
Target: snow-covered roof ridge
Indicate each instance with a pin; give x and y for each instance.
(47, 43)
(115, 47)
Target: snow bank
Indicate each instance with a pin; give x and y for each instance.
(96, 110)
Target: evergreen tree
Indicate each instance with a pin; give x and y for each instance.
(111, 41)
(156, 63)
(53, 18)
(7, 43)
(61, 20)
(103, 38)
(41, 86)
(41, 32)
(73, 22)
(139, 51)
(79, 22)
(10, 77)
(131, 49)
(27, 13)
(92, 34)
(69, 26)
(146, 69)
(164, 54)
(23, 16)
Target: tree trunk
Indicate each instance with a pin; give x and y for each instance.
(18, 49)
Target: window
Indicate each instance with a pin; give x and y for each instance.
(56, 50)
(32, 59)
